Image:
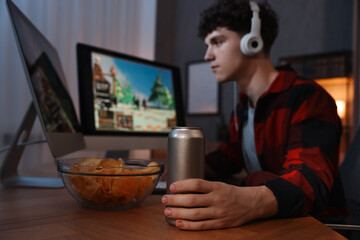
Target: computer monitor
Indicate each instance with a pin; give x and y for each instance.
(47, 84)
(50, 102)
(126, 102)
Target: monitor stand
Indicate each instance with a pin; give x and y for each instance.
(9, 175)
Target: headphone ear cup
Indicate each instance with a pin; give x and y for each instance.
(251, 44)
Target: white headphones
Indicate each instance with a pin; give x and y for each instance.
(252, 43)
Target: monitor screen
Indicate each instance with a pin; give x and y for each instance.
(55, 105)
(47, 84)
(130, 96)
(122, 95)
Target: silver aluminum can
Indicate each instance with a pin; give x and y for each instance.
(185, 156)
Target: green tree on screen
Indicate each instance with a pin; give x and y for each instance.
(169, 98)
(158, 93)
(128, 96)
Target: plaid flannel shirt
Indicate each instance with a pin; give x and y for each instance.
(297, 135)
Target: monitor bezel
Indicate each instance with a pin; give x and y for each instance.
(85, 81)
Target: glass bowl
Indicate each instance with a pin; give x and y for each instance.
(108, 183)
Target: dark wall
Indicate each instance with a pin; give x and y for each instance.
(306, 27)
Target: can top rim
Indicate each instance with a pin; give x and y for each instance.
(178, 127)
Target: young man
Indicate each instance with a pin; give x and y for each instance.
(285, 133)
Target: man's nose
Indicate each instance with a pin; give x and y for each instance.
(209, 55)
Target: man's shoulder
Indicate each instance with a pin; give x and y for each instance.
(307, 84)
(298, 81)
(301, 87)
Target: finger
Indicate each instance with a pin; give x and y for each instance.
(191, 185)
(194, 214)
(199, 225)
(186, 200)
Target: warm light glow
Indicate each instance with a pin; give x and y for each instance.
(341, 89)
(341, 108)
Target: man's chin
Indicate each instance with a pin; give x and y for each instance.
(222, 80)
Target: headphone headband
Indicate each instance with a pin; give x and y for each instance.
(254, 7)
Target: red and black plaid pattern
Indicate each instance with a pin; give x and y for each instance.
(297, 135)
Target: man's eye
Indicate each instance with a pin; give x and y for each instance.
(218, 42)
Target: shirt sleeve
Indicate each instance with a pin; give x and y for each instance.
(227, 159)
(224, 161)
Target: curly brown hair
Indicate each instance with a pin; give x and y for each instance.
(236, 15)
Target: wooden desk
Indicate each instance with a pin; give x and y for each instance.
(29, 213)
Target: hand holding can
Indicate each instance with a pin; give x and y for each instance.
(185, 157)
